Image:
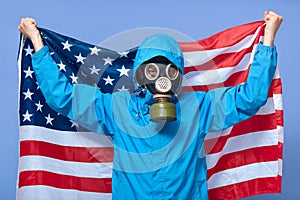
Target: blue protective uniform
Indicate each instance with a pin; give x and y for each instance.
(156, 160)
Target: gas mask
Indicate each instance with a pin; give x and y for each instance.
(163, 79)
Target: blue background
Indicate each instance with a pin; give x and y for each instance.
(94, 21)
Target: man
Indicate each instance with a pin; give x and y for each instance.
(157, 131)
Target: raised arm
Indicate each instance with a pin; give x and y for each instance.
(84, 104)
(234, 104)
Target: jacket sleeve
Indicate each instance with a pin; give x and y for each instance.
(84, 104)
(231, 105)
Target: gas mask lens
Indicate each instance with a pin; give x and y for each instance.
(172, 72)
(151, 71)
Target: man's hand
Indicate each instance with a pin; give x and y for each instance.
(273, 22)
(27, 26)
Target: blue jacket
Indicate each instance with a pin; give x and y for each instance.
(155, 160)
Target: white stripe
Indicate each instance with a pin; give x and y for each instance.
(280, 134)
(214, 76)
(278, 101)
(243, 173)
(276, 74)
(268, 108)
(50, 193)
(195, 58)
(79, 169)
(242, 142)
(64, 138)
(280, 162)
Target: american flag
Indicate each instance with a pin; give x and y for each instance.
(58, 159)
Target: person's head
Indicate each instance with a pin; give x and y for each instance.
(158, 66)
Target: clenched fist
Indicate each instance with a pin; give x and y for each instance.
(273, 22)
(27, 26)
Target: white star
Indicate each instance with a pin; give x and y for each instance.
(29, 50)
(74, 124)
(28, 72)
(74, 78)
(123, 89)
(123, 54)
(27, 116)
(39, 106)
(67, 45)
(49, 119)
(95, 50)
(108, 80)
(62, 66)
(123, 71)
(51, 53)
(94, 70)
(108, 60)
(80, 58)
(28, 94)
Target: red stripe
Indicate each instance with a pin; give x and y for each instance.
(245, 157)
(237, 78)
(225, 38)
(276, 86)
(253, 124)
(67, 153)
(247, 188)
(280, 149)
(31, 178)
(279, 117)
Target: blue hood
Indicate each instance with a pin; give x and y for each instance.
(159, 45)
